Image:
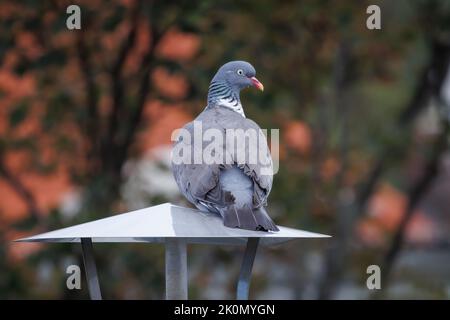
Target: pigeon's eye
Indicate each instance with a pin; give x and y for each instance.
(240, 72)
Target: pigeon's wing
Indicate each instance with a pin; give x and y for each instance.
(261, 170)
(195, 180)
(199, 183)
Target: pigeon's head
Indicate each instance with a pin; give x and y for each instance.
(238, 75)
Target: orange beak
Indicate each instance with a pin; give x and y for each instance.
(258, 85)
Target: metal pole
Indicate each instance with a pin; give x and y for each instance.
(176, 269)
(90, 269)
(246, 269)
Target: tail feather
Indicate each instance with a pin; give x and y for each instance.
(248, 218)
(265, 221)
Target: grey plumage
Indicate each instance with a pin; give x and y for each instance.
(237, 190)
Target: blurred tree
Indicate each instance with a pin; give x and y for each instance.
(75, 106)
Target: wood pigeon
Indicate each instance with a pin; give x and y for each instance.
(236, 188)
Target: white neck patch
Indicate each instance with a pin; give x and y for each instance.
(231, 105)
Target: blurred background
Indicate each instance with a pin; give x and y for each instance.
(86, 117)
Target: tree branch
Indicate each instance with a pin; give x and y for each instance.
(431, 80)
(429, 85)
(416, 194)
(337, 251)
(117, 85)
(147, 62)
(92, 120)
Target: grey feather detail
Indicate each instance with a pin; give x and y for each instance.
(247, 218)
(200, 183)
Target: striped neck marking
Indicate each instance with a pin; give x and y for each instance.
(221, 94)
